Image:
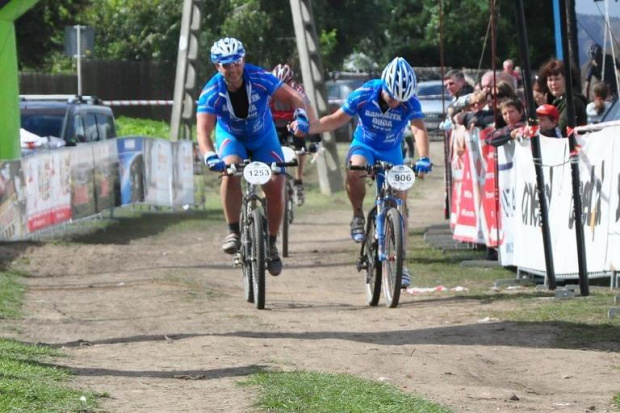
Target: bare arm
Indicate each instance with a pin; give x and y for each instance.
(330, 122)
(287, 94)
(205, 123)
(418, 128)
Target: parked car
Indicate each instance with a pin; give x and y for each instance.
(337, 93)
(72, 119)
(434, 104)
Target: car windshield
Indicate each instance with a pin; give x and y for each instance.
(43, 125)
(432, 89)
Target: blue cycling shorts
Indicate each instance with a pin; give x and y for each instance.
(393, 155)
(262, 148)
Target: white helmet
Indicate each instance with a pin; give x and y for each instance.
(399, 79)
(283, 72)
(227, 50)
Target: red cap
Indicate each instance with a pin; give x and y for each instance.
(549, 111)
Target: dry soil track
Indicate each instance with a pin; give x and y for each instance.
(159, 323)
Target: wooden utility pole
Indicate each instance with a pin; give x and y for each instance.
(328, 165)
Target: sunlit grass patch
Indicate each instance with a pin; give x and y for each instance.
(11, 293)
(303, 391)
(29, 384)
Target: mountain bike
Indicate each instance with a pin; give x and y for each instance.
(253, 252)
(382, 254)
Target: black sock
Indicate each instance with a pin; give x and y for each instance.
(272, 239)
(298, 182)
(233, 227)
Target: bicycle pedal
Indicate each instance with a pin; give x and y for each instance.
(236, 260)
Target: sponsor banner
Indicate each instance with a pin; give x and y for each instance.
(107, 180)
(613, 232)
(37, 170)
(183, 173)
(489, 204)
(12, 201)
(466, 191)
(508, 203)
(60, 184)
(131, 169)
(158, 161)
(83, 202)
(528, 245)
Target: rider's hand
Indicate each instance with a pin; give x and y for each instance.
(214, 162)
(423, 165)
(301, 122)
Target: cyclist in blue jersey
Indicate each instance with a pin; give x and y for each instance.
(384, 107)
(235, 104)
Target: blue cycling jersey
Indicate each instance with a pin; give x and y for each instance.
(259, 84)
(378, 129)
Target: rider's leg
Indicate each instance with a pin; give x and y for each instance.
(274, 193)
(356, 185)
(230, 193)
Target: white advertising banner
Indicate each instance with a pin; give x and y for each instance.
(183, 173)
(508, 203)
(60, 186)
(158, 160)
(37, 170)
(613, 232)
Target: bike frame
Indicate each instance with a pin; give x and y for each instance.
(384, 197)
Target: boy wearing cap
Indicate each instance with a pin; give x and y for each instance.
(548, 116)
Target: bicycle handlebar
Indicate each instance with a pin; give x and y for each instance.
(378, 166)
(236, 167)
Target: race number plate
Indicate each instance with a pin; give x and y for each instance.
(257, 173)
(401, 177)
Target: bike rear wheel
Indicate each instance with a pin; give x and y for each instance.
(258, 257)
(394, 257)
(373, 266)
(286, 218)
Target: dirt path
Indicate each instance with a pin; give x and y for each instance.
(159, 323)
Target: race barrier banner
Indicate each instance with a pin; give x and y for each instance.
(12, 201)
(516, 227)
(60, 186)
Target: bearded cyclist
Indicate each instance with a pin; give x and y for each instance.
(235, 104)
(384, 107)
(283, 115)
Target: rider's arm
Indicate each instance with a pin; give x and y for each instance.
(205, 123)
(418, 128)
(288, 95)
(330, 122)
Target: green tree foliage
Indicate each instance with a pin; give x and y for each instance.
(380, 29)
(136, 29)
(40, 31)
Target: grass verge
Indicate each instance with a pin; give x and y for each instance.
(11, 293)
(303, 391)
(28, 384)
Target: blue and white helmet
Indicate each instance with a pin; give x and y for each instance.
(399, 79)
(227, 50)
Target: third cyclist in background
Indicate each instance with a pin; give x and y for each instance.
(283, 114)
(385, 107)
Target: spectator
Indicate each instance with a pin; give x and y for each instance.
(553, 71)
(595, 69)
(600, 103)
(541, 91)
(509, 68)
(548, 121)
(514, 117)
(455, 84)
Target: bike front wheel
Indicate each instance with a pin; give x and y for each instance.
(246, 261)
(394, 257)
(258, 256)
(370, 258)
